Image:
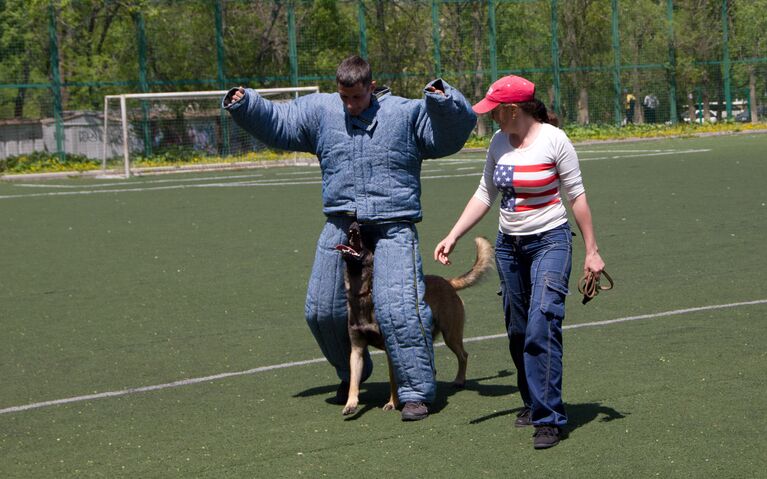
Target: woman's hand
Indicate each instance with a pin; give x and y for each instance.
(443, 250)
(474, 211)
(594, 264)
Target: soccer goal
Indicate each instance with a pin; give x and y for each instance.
(156, 129)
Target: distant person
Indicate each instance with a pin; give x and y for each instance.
(529, 163)
(630, 106)
(650, 104)
(370, 145)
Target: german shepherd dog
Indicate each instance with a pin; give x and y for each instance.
(446, 306)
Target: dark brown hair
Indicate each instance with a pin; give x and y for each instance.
(537, 110)
(353, 70)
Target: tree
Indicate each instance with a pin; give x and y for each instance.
(643, 40)
(24, 58)
(585, 40)
(698, 38)
(749, 23)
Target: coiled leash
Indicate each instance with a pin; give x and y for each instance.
(589, 286)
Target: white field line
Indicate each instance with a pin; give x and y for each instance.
(215, 377)
(471, 159)
(624, 151)
(125, 183)
(672, 152)
(174, 187)
(294, 173)
(277, 182)
(264, 182)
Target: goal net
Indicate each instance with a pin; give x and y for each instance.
(162, 129)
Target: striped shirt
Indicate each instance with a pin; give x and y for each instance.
(530, 180)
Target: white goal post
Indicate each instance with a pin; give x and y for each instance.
(122, 141)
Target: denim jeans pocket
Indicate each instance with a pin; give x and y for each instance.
(553, 300)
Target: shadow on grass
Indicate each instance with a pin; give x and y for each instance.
(446, 389)
(373, 395)
(581, 414)
(577, 415)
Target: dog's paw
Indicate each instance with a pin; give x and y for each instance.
(389, 406)
(459, 385)
(349, 409)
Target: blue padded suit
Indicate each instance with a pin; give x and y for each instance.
(371, 168)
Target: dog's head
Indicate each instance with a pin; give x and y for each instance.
(355, 250)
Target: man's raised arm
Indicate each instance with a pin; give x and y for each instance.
(287, 126)
(445, 122)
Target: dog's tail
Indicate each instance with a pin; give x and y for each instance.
(485, 261)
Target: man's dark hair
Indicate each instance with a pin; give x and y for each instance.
(353, 70)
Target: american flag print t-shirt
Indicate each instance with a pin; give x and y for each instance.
(530, 180)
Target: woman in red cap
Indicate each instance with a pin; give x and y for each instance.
(529, 162)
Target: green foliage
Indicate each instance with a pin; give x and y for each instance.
(596, 132)
(99, 49)
(180, 156)
(39, 162)
(611, 132)
(43, 162)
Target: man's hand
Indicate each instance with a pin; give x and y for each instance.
(237, 96)
(432, 89)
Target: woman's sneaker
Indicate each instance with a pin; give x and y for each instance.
(545, 437)
(524, 418)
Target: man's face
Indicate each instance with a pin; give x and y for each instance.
(356, 98)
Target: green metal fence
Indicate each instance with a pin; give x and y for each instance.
(681, 60)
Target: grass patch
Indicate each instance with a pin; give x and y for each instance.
(108, 285)
(44, 162)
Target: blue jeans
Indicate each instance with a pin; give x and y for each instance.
(398, 295)
(534, 272)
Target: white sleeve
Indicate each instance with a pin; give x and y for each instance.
(487, 192)
(568, 167)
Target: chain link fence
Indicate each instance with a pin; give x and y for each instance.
(594, 61)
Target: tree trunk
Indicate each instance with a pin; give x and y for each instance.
(691, 107)
(638, 105)
(583, 106)
(380, 9)
(479, 87)
(18, 104)
(706, 108)
(752, 95)
(479, 92)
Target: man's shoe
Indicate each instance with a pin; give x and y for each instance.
(524, 418)
(545, 437)
(414, 411)
(342, 393)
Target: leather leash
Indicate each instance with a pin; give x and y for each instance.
(589, 286)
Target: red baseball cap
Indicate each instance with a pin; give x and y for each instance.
(509, 89)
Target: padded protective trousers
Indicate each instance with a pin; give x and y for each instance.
(398, 296)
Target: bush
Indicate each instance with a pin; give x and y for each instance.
(39, 161)
(578, 133)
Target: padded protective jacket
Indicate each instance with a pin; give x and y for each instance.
(371, 164)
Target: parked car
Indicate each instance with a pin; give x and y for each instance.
(699, 116)
(745, 115)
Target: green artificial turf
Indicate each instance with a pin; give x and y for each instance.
(123, 284)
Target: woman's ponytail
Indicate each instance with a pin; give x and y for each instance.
(537, 110)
